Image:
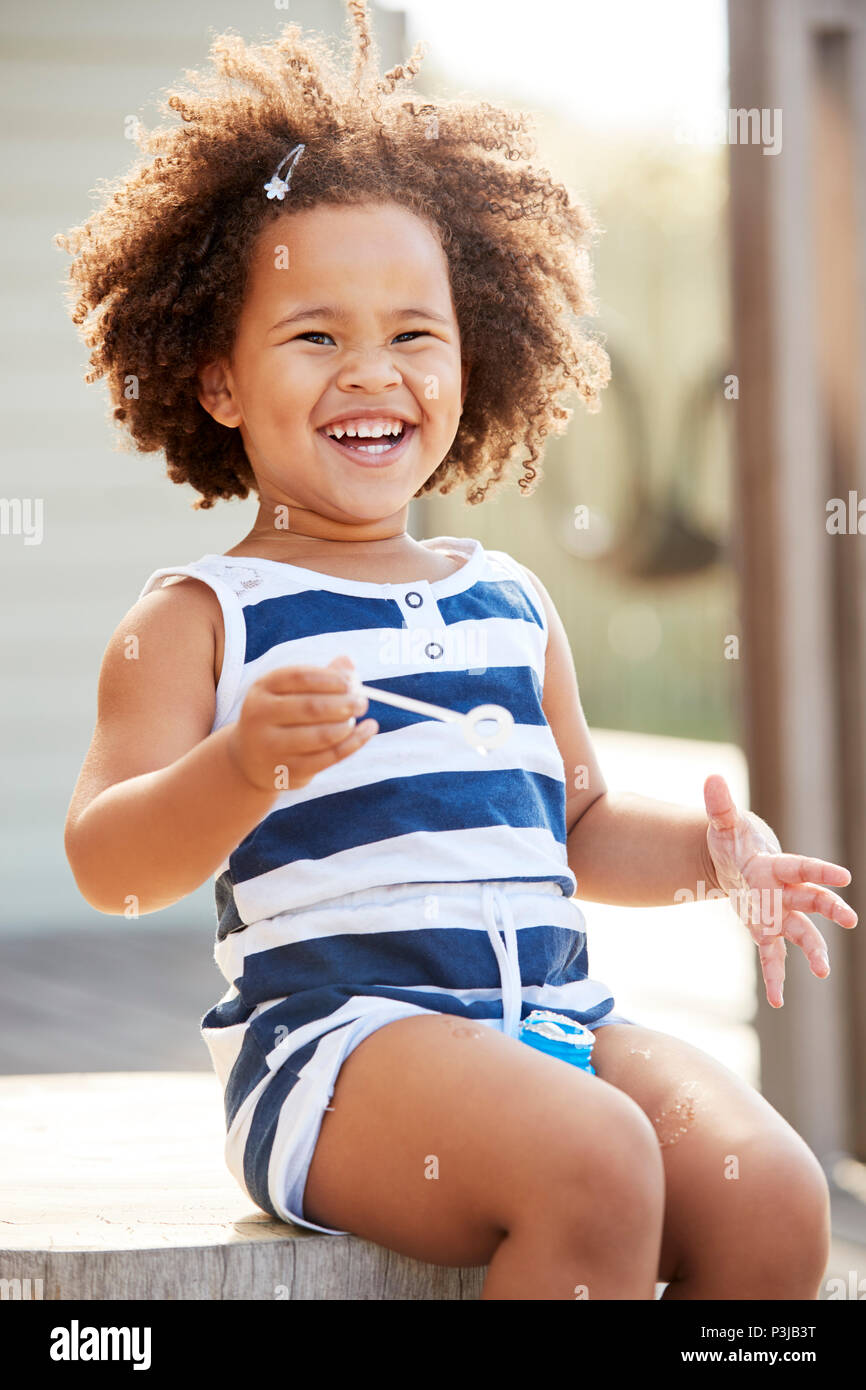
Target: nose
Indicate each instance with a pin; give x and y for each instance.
(369, 371)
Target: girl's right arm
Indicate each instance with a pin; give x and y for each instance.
(161, 801)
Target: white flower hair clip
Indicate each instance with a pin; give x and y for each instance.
(277, 187)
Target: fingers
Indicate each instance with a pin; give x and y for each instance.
(308, 740)
(719, 803)
(343, 661)
(808, 898)
(772, 954)
(803, 933)
(291, 710)
(772, 951)
(294, 695)
(304, 766)
(796, 868)
(289, 680)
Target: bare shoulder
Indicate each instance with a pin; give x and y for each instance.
(156, 695)
(193, 601)
(168, 636)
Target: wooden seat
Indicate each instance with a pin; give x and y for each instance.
(115, 1187)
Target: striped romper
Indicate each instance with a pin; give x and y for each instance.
(415, 876)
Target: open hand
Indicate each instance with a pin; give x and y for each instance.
(771, 891)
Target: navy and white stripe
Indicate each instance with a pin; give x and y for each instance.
(417, 802)
(310, 985)
(416, 876)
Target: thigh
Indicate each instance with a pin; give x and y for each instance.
(441, 1130)
(716, 1133)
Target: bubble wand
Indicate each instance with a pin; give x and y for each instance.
(496, 713)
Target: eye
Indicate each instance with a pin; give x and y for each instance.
(411, 333)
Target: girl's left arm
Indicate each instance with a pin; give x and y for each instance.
(622, 848)
(633, 850)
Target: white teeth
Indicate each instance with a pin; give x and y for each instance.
(365, 431)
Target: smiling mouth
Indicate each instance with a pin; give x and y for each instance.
(371, 449)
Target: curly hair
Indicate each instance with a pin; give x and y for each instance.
(165, 260)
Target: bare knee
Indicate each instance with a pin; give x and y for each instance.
(791, 1230)
(782, 1227)
(602, 1180)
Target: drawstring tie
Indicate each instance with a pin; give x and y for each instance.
(493, 899)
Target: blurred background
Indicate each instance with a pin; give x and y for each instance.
(716, 623)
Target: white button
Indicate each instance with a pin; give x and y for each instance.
(414, 599)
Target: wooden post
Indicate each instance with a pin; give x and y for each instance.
(798, 301)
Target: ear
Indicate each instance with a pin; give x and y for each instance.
(215, 394)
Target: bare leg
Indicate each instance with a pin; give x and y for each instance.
(451, 1143)
(747, 1212)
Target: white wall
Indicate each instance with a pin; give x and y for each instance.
(71, 74)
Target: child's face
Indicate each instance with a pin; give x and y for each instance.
(284, 382)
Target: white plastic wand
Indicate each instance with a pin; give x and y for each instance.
(502, 718)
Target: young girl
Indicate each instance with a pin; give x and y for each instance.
(343, 300)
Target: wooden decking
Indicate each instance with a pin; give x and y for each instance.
(115, 1188)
